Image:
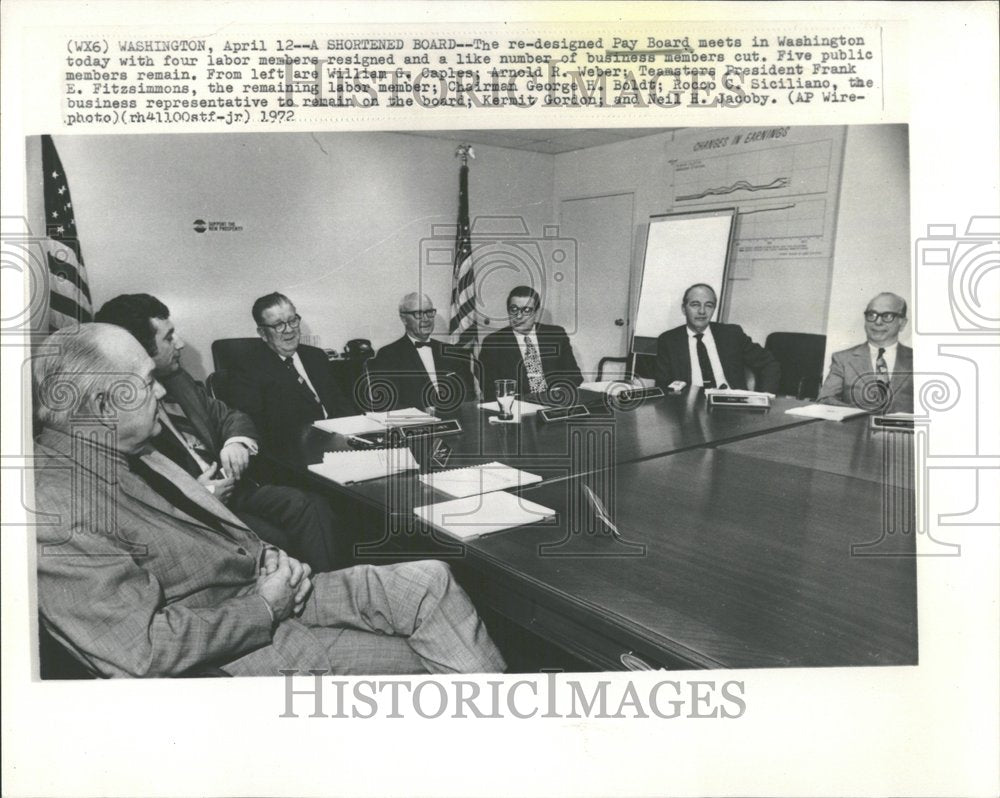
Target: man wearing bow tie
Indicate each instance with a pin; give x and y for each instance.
(878, 374)
(283, 385)
(142, 572)
(415, 370)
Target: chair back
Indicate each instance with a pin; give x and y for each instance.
(801, 359)
(227, 353)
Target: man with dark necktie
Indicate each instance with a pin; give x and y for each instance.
(415, 370)
(878, 374)
(142, 572)
(707, 354)
(283, 384)
(215, 443)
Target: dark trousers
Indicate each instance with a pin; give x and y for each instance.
(298, 522)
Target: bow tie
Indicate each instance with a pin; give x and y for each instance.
(420, 344)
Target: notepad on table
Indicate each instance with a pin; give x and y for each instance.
(349, 425)
(472, 481)
(474, 516)
(363, 464)
(402, 417)
(826, 412)
(519, 409)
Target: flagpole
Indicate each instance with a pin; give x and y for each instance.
(462, 324)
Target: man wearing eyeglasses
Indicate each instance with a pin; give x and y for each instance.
(539, 356)
(214, 443)
(415, 370)
(878, 374)
(284, 385)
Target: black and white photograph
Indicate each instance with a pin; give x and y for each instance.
(618, 426)
(327, 322)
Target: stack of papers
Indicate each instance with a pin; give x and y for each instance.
(520, 408)
(736, 392)
(480, 515)
(345, 468)
(402, 417)
(474, 480)
(826, 412)
(349, 425)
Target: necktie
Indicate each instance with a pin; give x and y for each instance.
(421, 344)
(707, 375)
(290, 365)
(881, 367)
(533, 365)
(173, 425)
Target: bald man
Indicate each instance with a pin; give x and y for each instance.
(878, 374)
(142, 572)
(415, 370)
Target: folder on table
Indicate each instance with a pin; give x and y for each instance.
(826, 412)
(474, 480)
(475, 516)
(349, 425)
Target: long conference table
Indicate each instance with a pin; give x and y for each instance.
(747, 538)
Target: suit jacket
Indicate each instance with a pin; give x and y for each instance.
(501, 359)
(214, 422)
(852, 382)
(397, 377)
(265, 389)
(736, 352)
(158, 593)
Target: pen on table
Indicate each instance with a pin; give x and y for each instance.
(602, 513)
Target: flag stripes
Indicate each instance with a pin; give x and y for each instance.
(463, 292)
(69, 291)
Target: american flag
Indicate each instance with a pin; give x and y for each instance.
(69, 294)
(463, 286)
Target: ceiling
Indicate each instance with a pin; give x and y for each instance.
(552, 142)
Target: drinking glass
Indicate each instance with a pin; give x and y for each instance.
(506, 391)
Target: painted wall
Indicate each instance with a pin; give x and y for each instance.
(872, 249)
(344, 224)
(338, 222)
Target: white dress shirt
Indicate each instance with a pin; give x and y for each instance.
(889, 356)
(426, 355)
(713, 357)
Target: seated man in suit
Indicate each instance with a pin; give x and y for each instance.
(538, 356)
(878, 374)
(214, 443)
(705, 353)
(145, 573)
(283, 385)
(417, 371)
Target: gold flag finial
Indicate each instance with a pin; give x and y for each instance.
(465, 152)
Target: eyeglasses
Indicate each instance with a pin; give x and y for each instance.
(888, 317)
(420, 314)
(517, 312)
(283, 326)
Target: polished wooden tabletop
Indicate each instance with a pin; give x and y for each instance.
(612, 435)
(725, 560)
(850, 448)
(749, 538)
